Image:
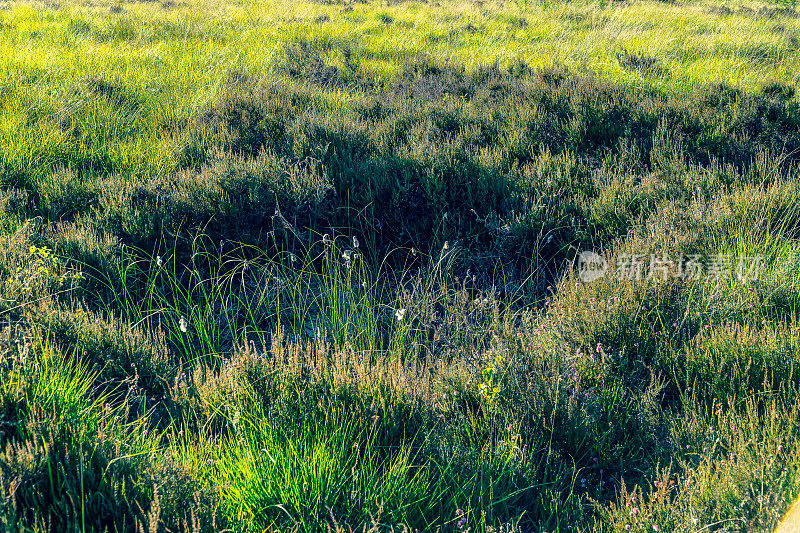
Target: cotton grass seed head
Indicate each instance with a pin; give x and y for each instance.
(183, 324)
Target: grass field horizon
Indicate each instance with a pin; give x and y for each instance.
(399, 266)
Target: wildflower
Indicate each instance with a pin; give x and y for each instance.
(209, 461)
(349, 256)
(375, 418)
(292, 257)
(355, 445)
(183, 325)
(627, 527)
(355, 242)
(446, 245)
(364, 284)
(158, 260)
(399, 314)
(655, 527)
(326, 240)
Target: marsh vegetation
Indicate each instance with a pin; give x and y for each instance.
(318, 266)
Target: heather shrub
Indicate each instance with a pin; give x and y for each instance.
(64, 196)
(435, 266)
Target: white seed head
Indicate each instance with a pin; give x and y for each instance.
(399, 314)
(158, 260)
(326, 239)
(355, 242)
(292, 257)
(183, 324)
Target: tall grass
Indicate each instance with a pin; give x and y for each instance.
(315, 266)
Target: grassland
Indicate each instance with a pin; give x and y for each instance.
(314, 266)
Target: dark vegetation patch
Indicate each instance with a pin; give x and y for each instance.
(511, 163)
(502, 143)
(508, 162)
(768, 12)
(646, 64)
